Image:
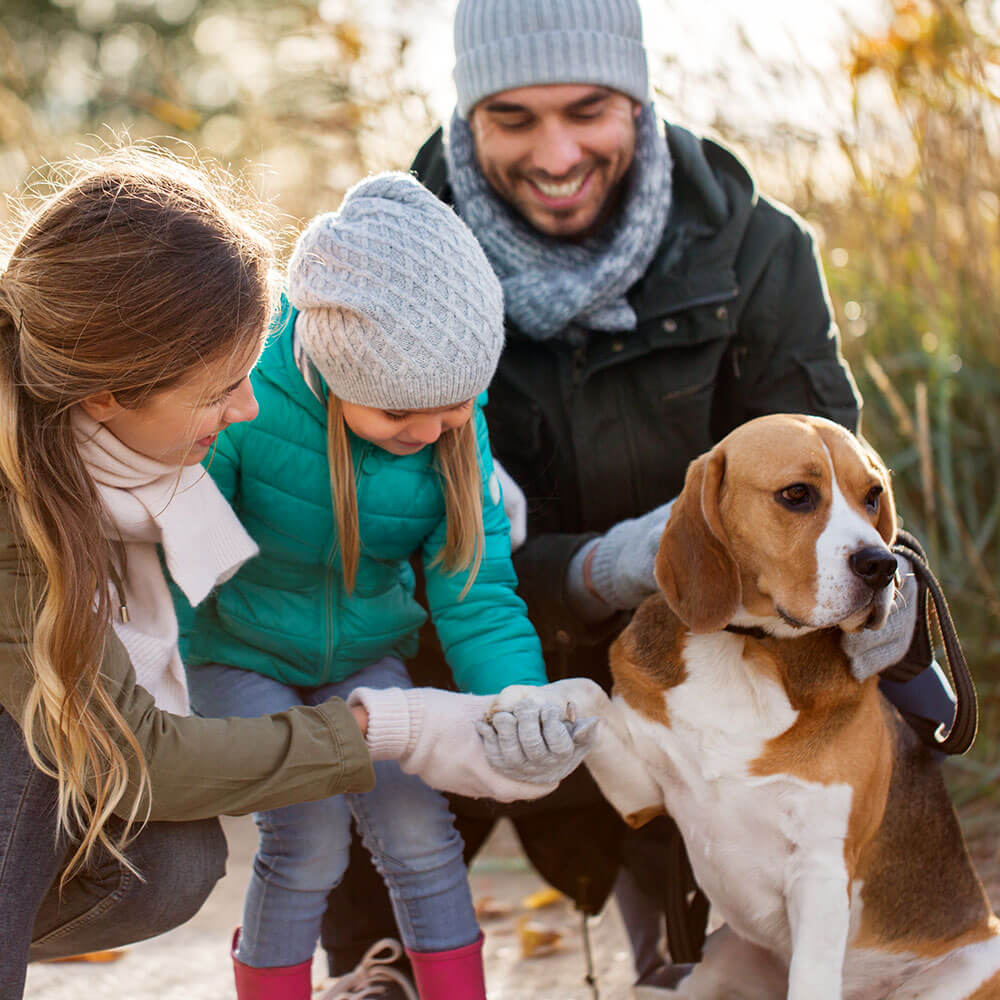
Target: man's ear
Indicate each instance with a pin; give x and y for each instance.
(102, 406)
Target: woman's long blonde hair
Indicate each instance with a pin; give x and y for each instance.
(456, 457)
(129, 277)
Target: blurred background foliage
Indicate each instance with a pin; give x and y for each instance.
(309, 95)
(306, 95)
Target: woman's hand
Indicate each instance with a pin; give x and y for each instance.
(360, 714)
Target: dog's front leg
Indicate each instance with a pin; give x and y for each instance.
(620, 771)
(818, 915)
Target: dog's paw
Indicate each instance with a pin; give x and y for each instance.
(510, 697)
(579, 697)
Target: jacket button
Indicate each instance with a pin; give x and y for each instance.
(670, 325)
(563, 637)
(617, 345)
(721, 313)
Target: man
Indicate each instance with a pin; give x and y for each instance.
(654, 301)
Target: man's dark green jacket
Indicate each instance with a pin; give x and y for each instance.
(734, 322)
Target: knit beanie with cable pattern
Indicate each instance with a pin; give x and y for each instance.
(398, 305)
(505, 44)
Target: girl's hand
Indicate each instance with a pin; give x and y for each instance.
(432, 733)
(537, 742)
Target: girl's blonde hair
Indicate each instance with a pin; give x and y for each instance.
(131, 276)
(456, 457)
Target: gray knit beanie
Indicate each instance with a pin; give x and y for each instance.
(399, 307)
(503, 44)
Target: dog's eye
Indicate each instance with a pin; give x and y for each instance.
(872, 499)
(797, 497)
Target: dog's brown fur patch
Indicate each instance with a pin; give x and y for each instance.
(920, 892)
(647, 659)
(838, 737)
(990, 990)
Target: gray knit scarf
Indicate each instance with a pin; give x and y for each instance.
(550, 283)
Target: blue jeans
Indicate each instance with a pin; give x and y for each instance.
(102, 907)
(304, 849)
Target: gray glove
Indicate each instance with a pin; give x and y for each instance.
(534, 743)
(873, 650)
(622, 570)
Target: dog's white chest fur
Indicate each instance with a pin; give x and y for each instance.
(745, 833)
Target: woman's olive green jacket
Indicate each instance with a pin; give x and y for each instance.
(197, 767)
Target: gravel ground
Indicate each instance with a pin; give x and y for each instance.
(192, 962)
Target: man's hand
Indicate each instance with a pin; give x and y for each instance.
(621, 564)
(537, 742)
(871, 651)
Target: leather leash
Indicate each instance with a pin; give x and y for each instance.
(957, 738)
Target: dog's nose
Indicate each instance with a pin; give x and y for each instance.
(874, 565)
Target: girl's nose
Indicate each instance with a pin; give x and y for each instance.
(242, 404)
(426, 429)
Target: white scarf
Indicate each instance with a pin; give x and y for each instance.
(149, 503)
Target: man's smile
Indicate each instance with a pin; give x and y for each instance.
(560, 191)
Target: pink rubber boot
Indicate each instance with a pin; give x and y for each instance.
(286, 982)
(450, 975)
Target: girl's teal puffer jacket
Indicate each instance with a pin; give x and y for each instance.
(286, 613)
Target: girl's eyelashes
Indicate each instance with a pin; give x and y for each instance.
(220, 400)
(404, 414)
(226, 393)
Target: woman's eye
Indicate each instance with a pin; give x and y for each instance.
(872, 498)
(798, 497)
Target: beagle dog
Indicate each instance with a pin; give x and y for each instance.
(816, 822)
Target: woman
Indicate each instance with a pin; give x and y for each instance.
(133, 305)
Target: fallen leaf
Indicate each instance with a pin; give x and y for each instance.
(544, 897)
(488, 908)
(536, 939)
(92, 956)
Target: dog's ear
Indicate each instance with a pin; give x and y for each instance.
(694, 568)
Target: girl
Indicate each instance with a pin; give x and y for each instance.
(370, 448)
(133, 303)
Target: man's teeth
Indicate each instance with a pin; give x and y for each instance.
(566, 189)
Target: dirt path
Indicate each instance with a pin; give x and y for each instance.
(191, 963)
